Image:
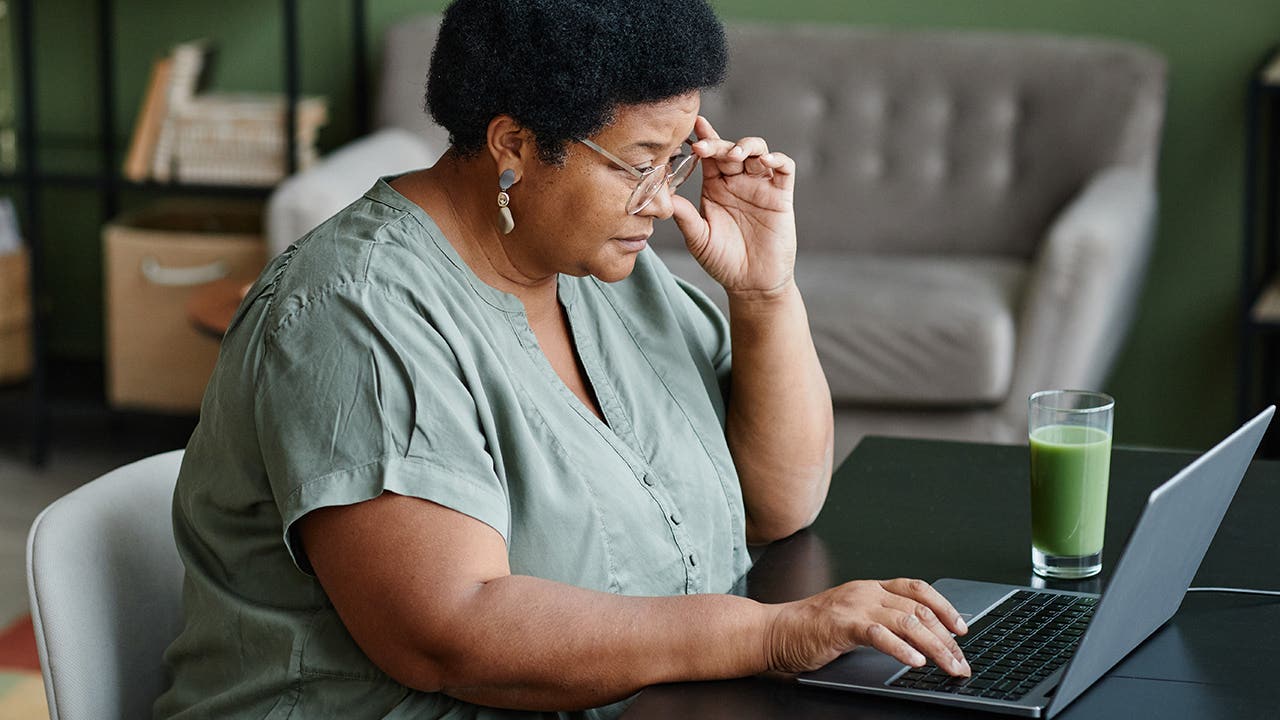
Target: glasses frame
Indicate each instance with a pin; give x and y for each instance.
(685, 164)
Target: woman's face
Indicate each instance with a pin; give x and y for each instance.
(572, 219)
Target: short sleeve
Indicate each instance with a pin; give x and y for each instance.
(705, 329)
(357, 394)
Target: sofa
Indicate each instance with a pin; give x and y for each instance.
(975, 210)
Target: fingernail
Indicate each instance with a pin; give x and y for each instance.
(960, 624)
(917, 659)
(737, 152)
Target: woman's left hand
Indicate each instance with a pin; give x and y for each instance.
(745, 235)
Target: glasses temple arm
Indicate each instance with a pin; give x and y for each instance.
(616, 160)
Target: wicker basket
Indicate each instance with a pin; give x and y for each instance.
(239, 138)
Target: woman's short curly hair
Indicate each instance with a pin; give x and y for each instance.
(561, 67)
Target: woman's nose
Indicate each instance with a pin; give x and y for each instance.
(662, 205)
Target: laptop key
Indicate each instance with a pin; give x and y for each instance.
(993, 694)
(1004, 607)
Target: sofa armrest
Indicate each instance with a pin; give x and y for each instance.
(1083, 287)
(310, 197)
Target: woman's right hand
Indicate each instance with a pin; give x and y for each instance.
(904, 618)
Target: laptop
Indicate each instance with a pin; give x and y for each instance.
(1032, 651)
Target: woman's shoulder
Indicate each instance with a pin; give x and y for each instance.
(368, 247)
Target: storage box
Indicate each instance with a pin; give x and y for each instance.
(239, 138)
(157, 358)
(15, 316)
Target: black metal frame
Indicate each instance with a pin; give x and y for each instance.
(1258, 384)
(108, 180)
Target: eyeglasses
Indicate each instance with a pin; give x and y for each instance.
(653, 179)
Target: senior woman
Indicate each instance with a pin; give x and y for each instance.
(471, 451)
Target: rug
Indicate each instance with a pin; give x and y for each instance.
(21, 689)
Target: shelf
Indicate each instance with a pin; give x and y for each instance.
(93, 164)
(77, 163)
(99, 182)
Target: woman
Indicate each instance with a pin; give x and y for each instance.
(470, 447)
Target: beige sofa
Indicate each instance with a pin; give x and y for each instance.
(975, 210)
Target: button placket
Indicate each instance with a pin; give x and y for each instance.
(597, 374)
(675, 523)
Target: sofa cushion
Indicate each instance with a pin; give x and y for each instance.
(904, 330)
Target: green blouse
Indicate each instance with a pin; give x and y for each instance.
(368, 357)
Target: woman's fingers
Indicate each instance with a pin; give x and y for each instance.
(749, 156)
(883, 615)
(924, 593)
(756, 167)
(916, 624)
(691, 223)
(779, 162)
(703, 129)
(725, 157)
(888, 642)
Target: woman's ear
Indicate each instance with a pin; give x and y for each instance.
(511, 145)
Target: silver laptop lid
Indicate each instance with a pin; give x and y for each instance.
(1161, 557)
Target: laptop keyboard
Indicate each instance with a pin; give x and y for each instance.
(1012, 648)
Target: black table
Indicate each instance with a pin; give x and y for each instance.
(933, 509)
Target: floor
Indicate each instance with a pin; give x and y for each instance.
(86, 439)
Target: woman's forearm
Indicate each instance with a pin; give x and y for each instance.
(523, 642)
(779, 424)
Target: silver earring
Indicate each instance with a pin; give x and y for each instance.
(505, 222)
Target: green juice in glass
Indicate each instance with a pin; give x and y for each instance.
(1069, 466)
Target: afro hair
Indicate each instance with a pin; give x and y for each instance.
(561, 67)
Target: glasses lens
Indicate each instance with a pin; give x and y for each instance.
(683, 169)
(648, 188)
(673, 173)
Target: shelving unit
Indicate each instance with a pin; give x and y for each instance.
(1258, 372)
(31, 178)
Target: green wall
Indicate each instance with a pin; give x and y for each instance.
(1175, 380)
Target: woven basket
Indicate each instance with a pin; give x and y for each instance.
(239, 138)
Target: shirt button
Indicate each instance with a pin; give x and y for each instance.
(675, 518)
(650, 480)
(693, 560)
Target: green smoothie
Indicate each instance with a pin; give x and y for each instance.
(1069, 466)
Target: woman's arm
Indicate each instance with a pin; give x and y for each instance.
(780, 424)
(780, 427)
(427, 594)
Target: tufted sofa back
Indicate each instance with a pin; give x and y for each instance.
(939, 142)
(907, 141)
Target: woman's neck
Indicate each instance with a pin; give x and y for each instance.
(460, 196)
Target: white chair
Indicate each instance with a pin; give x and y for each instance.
(105, 582)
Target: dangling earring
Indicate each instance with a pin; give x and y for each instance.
(505, 222)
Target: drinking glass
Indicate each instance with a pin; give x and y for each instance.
(1070, 436)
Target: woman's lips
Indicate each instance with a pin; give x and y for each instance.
(634, 243)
